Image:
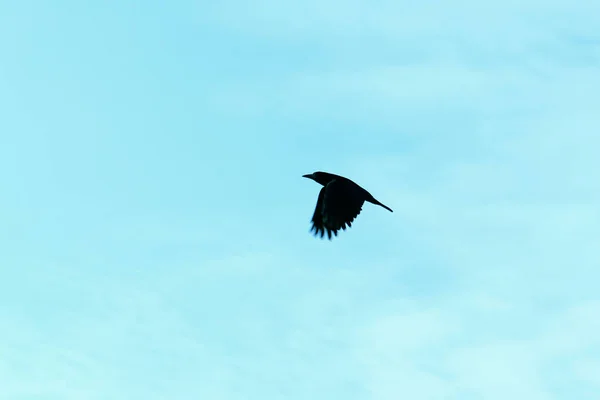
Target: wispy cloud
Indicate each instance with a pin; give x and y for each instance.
(462, 21)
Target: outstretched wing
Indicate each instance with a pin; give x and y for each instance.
(339, 203)
(317, 218)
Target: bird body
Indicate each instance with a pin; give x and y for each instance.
(339, 203)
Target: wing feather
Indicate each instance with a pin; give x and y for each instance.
(339, 203)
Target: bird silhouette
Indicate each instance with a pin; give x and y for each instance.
(339, 203)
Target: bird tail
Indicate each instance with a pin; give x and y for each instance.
(375, 201)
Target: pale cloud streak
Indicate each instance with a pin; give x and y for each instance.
(464, 20)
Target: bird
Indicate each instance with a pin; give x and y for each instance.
(339, 203)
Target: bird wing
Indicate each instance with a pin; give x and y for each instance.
(317, 219)
(339, 203)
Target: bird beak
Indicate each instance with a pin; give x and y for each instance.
(309, 176)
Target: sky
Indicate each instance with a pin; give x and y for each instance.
(155, 235)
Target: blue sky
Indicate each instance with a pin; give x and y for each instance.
(155, 240)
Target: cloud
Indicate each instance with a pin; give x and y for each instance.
(529, 366)
(502, 100)
(588, 370)
(399, 352)
(406, 21)
(499, 370)
(442, 353)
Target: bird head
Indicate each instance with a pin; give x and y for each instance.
(320, 177)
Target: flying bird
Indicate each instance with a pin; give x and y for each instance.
(339, 203)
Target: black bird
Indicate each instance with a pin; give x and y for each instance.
(339, 203)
